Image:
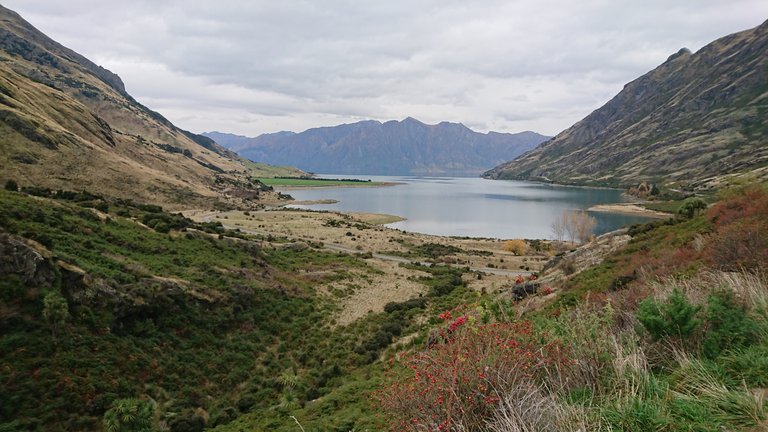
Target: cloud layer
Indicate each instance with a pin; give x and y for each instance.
(252, 67)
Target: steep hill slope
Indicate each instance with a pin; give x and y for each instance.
(692, 119)
(394, 148)
(68, 123)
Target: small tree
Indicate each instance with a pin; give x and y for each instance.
(516, 246)
(691, 207)
(676, 317)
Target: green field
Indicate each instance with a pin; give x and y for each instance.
(299, 182)
(258, 169)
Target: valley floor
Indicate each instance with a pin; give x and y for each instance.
(384, 248)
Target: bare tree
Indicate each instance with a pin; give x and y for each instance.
(585, 225)
(558, 227)
(574, 225)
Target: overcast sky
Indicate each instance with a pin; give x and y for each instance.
(251, 67)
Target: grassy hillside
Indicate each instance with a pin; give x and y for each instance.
(110, 306)
(106, 302)
(68, 123)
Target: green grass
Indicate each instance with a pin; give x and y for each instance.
(664, 206)
(259, 169)
(298, 182)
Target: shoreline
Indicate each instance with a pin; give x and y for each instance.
(629, 209)
(334, 186)
(310, 202)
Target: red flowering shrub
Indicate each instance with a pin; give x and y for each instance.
(456, 385)
(740, 239)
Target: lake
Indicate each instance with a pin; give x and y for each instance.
(473, 207)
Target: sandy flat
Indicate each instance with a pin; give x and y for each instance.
(629, 209)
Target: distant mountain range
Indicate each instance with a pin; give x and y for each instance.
(67, 123)
(407, 147)
(693, 121)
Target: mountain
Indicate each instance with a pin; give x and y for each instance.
(67, 123)
(693, 120)
(392, 148)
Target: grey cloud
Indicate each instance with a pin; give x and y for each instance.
(259, 66)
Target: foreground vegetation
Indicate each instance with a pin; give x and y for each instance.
(129, 309)
(679, 345)
(132, 318)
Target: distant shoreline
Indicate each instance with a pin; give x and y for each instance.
(335, 186)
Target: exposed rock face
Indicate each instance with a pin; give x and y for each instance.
(26, 260)
(407, 147)
(693, 118)
(586, 256)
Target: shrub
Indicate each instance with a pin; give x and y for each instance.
(418, 302)
(187, 421)
(457, 384)
(728, 325)
(740, 239)
(740, 245)
(516, 246)
(129, 415)
(55, 311)
(12, 186)
(690, 207)
(675, 317)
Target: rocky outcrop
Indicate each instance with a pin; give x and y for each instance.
(691, 120)
(27, 260)
(585, 256)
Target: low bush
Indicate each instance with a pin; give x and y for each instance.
(675, 317)
(516, 246)
(728, 325)
(458, 383)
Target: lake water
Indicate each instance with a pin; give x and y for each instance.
(472, 207)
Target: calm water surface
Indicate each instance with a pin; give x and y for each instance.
(471, 207)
